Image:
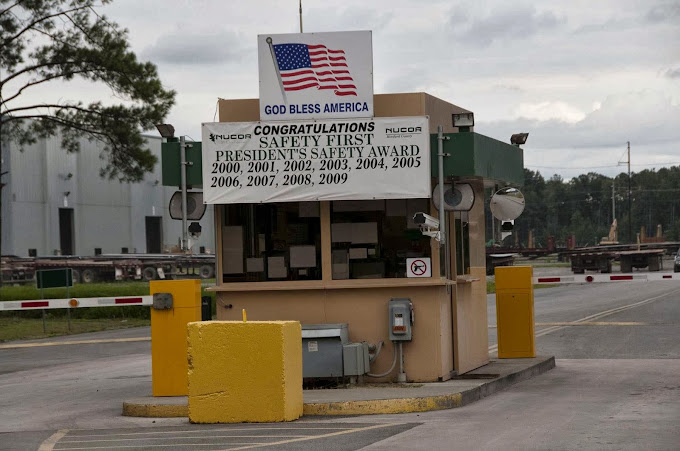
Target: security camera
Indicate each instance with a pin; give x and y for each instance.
(195, 230)
(426, 221)
(429, 226)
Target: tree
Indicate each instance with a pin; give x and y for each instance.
(50, 41)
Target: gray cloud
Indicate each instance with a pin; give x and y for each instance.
(672, 73)
(644, 117)
(196, 49)
(512, 88)
(664, 12)
(519, 22)
(343, 19)
(411, 79)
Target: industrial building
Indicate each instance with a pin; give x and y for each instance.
(56, 203)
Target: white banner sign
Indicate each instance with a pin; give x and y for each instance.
(315, 75)
(253, 162)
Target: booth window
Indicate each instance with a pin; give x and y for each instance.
(462, 243)
(266, 242)
(371, 239)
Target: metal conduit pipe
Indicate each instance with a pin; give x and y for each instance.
(394, 363)
(377, 351)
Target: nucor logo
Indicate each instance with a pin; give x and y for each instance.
(404, 130)
(214, 137)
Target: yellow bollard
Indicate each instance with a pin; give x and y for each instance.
(515, 312)
(169, 335)
(245, 371)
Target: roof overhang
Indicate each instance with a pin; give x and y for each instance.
(475, 156)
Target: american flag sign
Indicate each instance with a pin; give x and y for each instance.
(304, 66)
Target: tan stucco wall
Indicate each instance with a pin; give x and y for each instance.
(451, 327)
(427, 358)
(471, 336)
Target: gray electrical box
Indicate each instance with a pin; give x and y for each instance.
(356, 360)
(322, 349)
(400, 319)
(162, 301)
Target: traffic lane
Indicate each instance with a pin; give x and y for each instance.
(580, 404)
(648, 331)
(570, 302)
(307, 435)
(85, 394)
(575, 302)
(23, 440)
(33, 358)
(130, 332)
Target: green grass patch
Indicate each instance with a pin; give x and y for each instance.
(82, 319)
(24, 328)
(88, 290)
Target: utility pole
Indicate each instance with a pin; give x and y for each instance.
(183, 173)
(613, 204)
(630, 208)
(300, 16)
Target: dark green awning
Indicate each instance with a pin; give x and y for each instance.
(475, 155)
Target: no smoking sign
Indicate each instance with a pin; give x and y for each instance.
(418, 267)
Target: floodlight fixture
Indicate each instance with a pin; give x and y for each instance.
(166, 130)
(519, 138)
(463, 119)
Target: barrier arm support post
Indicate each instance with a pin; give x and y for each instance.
(169, 334)
(515, 312)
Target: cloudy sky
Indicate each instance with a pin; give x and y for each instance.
(582, 77)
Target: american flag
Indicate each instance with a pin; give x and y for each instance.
(305, 66)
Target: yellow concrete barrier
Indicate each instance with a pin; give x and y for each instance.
(245, 371)
(169, 335)
(515, 312)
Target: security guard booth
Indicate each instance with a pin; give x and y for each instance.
(342, 261)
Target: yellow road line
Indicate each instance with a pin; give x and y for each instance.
(48, 445)
(197, 431)
(315, 437)
(74, 342)
(183, 445)
(180, 438)
(588, 323)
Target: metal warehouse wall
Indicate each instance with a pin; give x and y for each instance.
(107, 214)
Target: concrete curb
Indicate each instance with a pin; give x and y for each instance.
(428, 403)
(177, 407)
(153, 410)
(503, 382)
(380, 406)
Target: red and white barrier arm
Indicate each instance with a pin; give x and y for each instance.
(76, 303)
(598, 278)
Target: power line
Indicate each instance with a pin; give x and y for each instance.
(607, 166)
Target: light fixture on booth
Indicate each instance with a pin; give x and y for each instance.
(519, 138)
(463, 121)
(166, 130)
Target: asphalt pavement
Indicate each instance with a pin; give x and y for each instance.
(616, 386)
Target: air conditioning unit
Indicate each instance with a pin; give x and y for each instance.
(327, 352)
